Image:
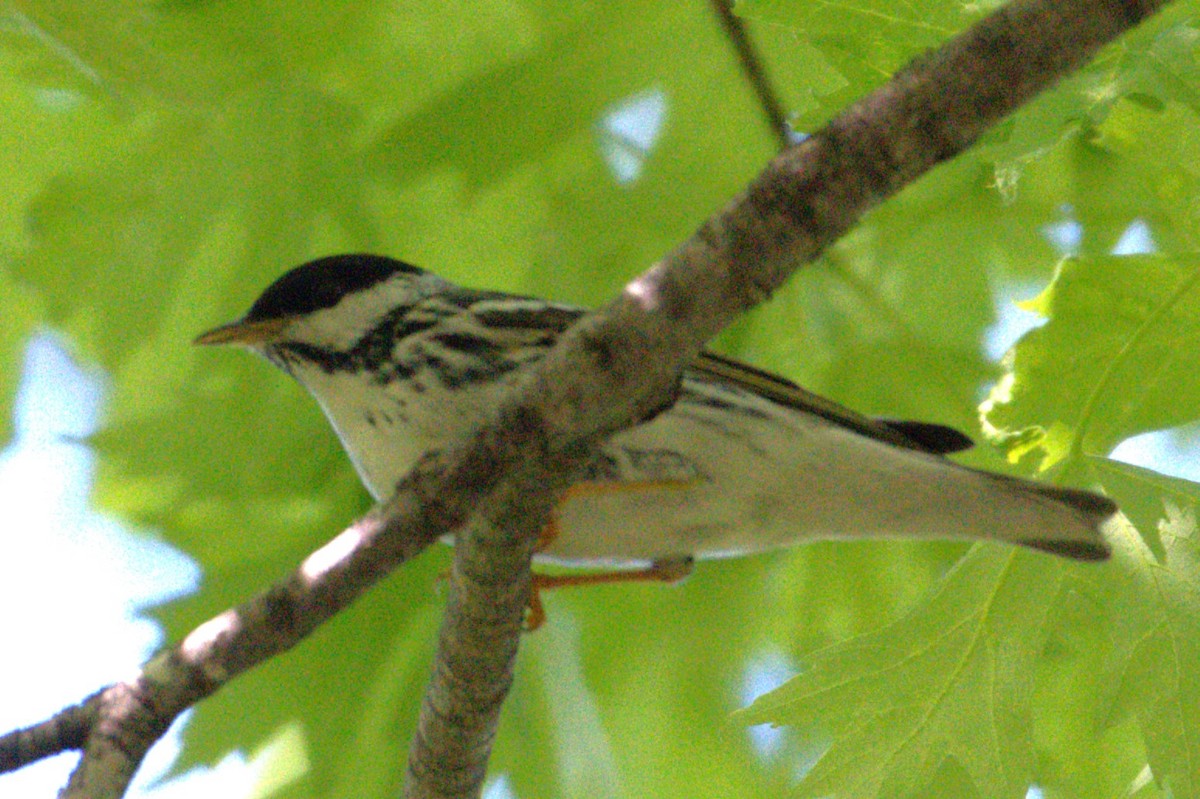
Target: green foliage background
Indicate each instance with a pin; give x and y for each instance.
(165, 161)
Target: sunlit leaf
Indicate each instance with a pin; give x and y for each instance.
(1119, 357)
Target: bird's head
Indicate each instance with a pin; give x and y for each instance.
(325, 307)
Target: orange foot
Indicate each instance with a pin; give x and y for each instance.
(668, 570)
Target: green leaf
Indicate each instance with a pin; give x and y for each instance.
(1154, 607)
(352, 689)
(949, 681)
(1118, 357)
(1151, 66)
(281, 761)
(868, 40)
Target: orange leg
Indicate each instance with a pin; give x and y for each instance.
(670, 570)
(667, 571)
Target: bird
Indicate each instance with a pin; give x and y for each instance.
(404, 363)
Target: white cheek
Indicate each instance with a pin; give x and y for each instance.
(330, 329)
(341, 327)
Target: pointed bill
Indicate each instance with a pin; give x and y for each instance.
(243, 332)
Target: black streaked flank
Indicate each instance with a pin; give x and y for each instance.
(401, 345)
(375, 350)
(323, 283)
(708, 400)
(602, 468)
(391, 372)
(549, 318)
(468, 343)
(661, 464)
(481, 367)
(402, 328)
(786, 393)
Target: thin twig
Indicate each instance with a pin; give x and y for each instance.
(752, 65)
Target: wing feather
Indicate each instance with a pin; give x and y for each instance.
(922, 436)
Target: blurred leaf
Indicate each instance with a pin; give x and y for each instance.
(1080, 752)
(20, 315)
(949, 681)
(1154, 606)
(869, 40)
(353, 687)
(280, 762)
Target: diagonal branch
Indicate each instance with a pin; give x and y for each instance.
(66, 730)
(619, 363)
(125, 719)
(118, 724)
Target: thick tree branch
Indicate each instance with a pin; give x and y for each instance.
(620, 362)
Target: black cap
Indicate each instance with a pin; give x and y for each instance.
(323, 283)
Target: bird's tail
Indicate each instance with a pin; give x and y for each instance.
(1082, 516)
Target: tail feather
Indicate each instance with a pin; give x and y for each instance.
(1076, 550)
(1090, 504)
(1084, 541)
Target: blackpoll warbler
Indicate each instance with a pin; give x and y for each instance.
(404, 362)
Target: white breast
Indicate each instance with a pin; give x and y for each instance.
(386, 429)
